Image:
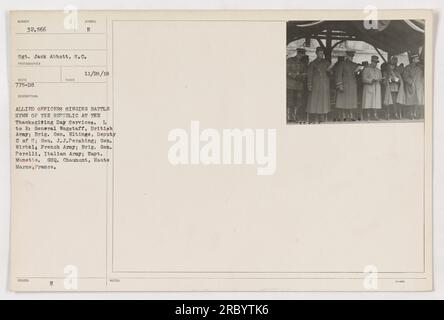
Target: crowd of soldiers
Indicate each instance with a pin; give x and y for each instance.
(359, 91)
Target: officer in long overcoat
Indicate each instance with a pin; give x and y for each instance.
(318, 84)
(414, 85)
(371, 92)
(346, 85)
(296, 83)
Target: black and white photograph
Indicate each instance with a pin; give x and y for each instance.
(348, 71)
(216, 157)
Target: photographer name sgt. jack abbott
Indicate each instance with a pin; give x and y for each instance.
(224, 147)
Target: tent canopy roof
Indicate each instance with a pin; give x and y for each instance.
(394, 36)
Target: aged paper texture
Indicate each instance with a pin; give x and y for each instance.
(158, 151)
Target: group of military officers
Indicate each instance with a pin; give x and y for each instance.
(361, 90)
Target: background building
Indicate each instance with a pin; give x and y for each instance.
(364, 51)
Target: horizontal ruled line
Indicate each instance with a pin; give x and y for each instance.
(69, 82)
(60, 33)
(57, 49)
(76, 66)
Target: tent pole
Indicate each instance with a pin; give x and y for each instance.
(329, 43)
(380, 54)
(320, 42)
